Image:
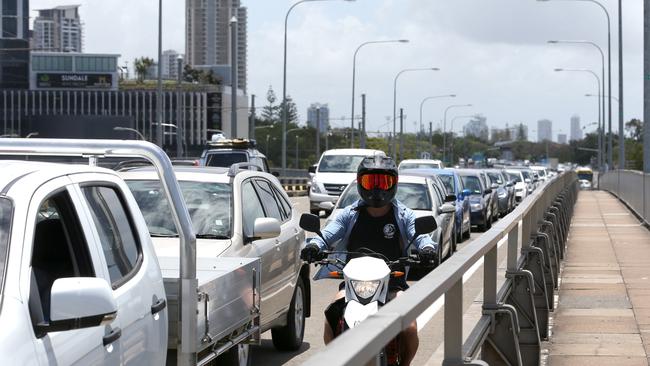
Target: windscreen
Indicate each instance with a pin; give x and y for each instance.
(226, 159)
(583, 175)
(340, 163)
(472, 183)
(412, 195)
(209, 205)
(6, 214)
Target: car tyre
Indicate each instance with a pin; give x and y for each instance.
(468, 233)
(454, 242)
(237, 355)
(290, 336)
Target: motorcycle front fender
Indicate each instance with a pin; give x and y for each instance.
(355, 312)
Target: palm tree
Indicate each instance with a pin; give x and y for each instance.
(141, 65)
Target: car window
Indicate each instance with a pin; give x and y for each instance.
(495, 178)
(271, 205)
(412, 195)
(340, 163)
(6, 214)
(209, 205)
(440, 196)
(448, 182)
(226, 159)
(121, 247)
(257, 161)
(251, 208)
(472, 183)
(515, 176)
(405, 166)
(285, 205)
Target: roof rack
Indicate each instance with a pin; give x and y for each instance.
(234, 169)
(239, 143)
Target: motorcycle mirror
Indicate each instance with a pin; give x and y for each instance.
(425, 224)
(310, 222)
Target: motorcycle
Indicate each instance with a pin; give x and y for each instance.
(366, 283)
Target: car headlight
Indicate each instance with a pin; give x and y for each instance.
(365, 289)
(503, 194)
(519, 189)
(314, 187)
(475, 206)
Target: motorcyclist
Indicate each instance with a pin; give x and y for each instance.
(380, 223)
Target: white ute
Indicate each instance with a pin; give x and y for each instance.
(79, 280)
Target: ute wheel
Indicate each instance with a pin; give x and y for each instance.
(289, 337)
(238, 355)
(467, 234)
(454, 242)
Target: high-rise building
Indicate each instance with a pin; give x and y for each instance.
(561, 138)
(544, 130)
(14, 44)
(207, 37)
(170, 60)
(576, 130)
(477, 127)
(316, 110)
(58, 29)
(519, 132)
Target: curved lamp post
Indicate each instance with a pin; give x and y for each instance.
(444, 127)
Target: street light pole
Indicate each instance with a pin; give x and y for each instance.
(395, 102)
(600, 159)
(621, 134)
(451, 129)
(284, 83)
(422, 105)
(602, 58)
(609, 77)
(233, 77)
(444, 127)
(354, 71)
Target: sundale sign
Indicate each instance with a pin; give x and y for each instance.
(74, 81)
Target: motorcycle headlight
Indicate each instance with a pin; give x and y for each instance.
(314, 187)
(365, 289)
(475, 206)
(503, 194)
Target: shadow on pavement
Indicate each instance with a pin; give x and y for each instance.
(267, 353)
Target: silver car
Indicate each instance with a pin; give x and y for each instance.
(228, 207)
(420, 195)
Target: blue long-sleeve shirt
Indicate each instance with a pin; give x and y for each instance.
(338, 231)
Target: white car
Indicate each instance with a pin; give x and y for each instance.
(334, 171)
(585, 184)
(521, 186)
(541, 172)
(420, 164)
(224, 205)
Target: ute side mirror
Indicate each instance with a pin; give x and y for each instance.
(487, 191)
(312, 169)
(450, 198)
(79, 302)
(425, 224)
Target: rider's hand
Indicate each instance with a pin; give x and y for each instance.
(427, 255)
(311, 253)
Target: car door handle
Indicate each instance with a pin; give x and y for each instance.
(158, 306)
(111, 337)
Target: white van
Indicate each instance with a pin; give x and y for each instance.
(420, 164)
(334, 171)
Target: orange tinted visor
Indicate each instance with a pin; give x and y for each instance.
(372, 181)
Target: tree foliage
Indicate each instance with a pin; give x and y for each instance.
(141, 66)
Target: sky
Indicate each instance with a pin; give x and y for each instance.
(491, 53)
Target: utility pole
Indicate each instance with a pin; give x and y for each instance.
(179, 138)
(251, 123)
(317, 133)
(646, 87)
(431, 138)
(159, 93)
(401, 135)
(233, 76)
(362, 138)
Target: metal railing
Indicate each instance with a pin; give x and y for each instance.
(632, 187)
(515, 317)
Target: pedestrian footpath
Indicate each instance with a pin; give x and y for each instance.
(603, 313)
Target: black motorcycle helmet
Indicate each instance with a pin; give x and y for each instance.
(377, 180)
